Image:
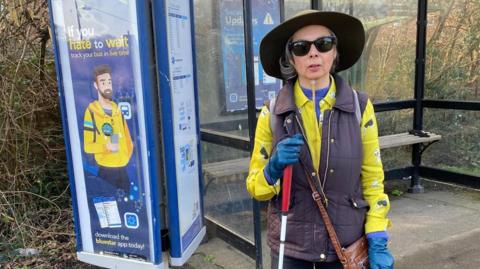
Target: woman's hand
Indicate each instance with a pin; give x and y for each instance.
(378, 254)
(286, 153)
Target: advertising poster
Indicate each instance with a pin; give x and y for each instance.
(98, 51)
(185, 130)
(265, 16)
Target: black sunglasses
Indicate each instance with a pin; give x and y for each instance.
(302, 47)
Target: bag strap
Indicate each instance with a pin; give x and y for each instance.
(271, 107)
(360, 100)
(328, 223)
(358, 113)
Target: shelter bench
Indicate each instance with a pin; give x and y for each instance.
(412, 137)
(233, 173)
(240, 166)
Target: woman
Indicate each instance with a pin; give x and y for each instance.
(316, 125)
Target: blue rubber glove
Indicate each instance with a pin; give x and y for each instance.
(287, 152)
(378, 254)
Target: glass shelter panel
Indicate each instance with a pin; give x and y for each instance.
(393, 122)
(294, 6)
(210, 69)
(386, 69)
(221, 66)
(452, 68)
(459, 149)
(226, 199)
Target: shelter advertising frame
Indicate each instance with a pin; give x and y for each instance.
(175, 55)
(104, 70)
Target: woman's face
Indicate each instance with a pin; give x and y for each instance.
(315, 65)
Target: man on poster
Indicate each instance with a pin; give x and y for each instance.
(106, 134)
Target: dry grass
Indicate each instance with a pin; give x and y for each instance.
(35, 201)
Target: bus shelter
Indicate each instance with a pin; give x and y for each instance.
(420, 67)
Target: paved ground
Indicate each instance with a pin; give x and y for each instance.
(437, 229)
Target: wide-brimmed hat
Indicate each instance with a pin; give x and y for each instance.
(349, 31)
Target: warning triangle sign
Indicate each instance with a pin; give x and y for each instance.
(268, 19)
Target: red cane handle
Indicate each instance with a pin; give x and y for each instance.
(286, 187)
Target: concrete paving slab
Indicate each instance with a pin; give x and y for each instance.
(457, 251)
(437, 229)
(217, 254)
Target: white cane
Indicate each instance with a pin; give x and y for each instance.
(286, 187)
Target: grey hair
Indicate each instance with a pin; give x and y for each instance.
(287, 69)
(335, 63)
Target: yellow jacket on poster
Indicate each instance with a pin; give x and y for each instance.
(95, 124)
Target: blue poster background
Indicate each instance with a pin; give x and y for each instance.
(265, 16)
(119, 222)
